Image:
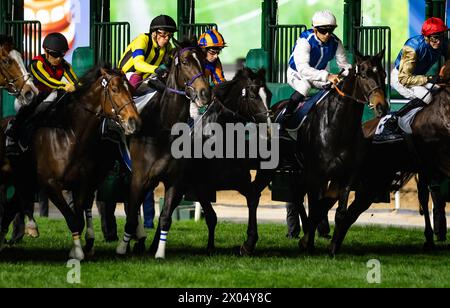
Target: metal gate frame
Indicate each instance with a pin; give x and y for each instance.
(370, 40)
(196, 29)
(283, 39)
(110, 40)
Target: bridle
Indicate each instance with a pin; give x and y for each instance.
(238, 114)
(359, 75)
(188, 89)
(116, 109)
(10, 80)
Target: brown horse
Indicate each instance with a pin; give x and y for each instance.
(14, 77)
(427, 152)
(67, 155)
(151, 155)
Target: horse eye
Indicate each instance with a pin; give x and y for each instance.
(115, 89)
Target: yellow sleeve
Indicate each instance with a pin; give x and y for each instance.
(406, 69)
(138, 48)
(70, 74)
(38, 72)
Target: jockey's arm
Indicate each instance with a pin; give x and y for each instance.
(341, 59)
(69, 74)
(406, 75)
(218, 76)
(38, 71)
(138, 52)
(302, 57)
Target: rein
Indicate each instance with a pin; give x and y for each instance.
(353, 97)
(188, 84)
(11, 81)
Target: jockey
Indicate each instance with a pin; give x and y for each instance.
(145, 54)
(48, 71)
(212, 43)
(416, 58)
(312, 52)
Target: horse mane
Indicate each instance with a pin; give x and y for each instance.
(221, 90)
(91, 76)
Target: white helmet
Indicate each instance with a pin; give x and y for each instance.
(324, 18)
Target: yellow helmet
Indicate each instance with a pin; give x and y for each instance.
(211, 38)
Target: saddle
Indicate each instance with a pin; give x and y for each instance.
(296, 121)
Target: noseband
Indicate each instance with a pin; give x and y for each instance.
(10, 80)
(188, 89)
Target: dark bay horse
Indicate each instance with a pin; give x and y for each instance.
(427, 152)
(150, 149)
(331, 141)
(243, 100)
(65, 154)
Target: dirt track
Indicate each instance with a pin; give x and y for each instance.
(408, 198)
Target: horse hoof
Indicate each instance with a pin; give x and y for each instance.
(245, 250)
(77, 254)
(89, 248)
(211, 250)
(32, 232)
(441, 239)
(122, 248)
(139, 247)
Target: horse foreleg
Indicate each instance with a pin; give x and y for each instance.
(9, 212)
(361, 203)
(31, 228)
(72, 220)
(172, 198)
(210, 218)
(429, 240)
(439, 219)
(137, 190)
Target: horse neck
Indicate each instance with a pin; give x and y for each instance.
(83, 113)
(174, 107)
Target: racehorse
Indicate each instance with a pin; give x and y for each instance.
(330, 141)
(150, 149)
(17, 82)
(66, 154)
(14, 77)
(426, 151)
(241, 100)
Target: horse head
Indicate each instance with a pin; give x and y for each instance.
(186, 73)
(14, 76)
(247, 96)
(370, 81)
(109, 94)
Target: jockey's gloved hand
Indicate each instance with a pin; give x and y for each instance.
(69, 88)
(435, 79)
(161, 71)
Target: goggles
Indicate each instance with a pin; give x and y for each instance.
(325, 30)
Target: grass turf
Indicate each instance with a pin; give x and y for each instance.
(277, 263)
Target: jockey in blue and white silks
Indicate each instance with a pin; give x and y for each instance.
(308, 63)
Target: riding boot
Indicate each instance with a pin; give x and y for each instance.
(295, 99)
(415, 103)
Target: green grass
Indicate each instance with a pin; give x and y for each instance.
(277, 263)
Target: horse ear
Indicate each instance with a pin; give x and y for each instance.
(359, 57)
(104, 73)
(380, 55)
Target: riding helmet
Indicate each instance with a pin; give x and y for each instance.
(324, 18)
(163, 22)
(432, 26)
(56, 42)
(211, 39)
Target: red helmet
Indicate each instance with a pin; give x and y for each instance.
(432, 26)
